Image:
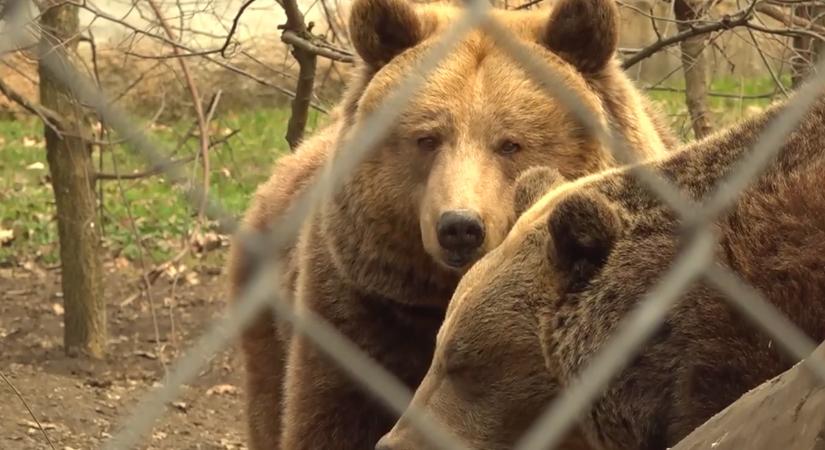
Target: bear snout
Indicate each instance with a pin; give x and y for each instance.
(390, 442)
(383, 444)
(460, 233)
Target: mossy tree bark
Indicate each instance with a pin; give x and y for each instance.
(72, 177)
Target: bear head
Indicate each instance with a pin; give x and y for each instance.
(444, 175)
(527, 319)
(488, 380)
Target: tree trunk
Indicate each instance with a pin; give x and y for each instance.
(72, 177)
(296, 127)
(806, 49)
(694, 65)
(307, 62)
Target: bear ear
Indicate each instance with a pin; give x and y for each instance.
(381, 29)
(585, 33)
(583, 229)
(532, 184)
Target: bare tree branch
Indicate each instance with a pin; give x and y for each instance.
(292, 38)
(145, 174)
(49, 118)
(234, 27)
(203, 126)
(307, 63)
(787, 19)
(189, 51)
(528, 4)
(26, 405)
(726, 23)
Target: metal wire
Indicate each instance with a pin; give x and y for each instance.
(548, 431)
(551, 81)
(394, 394)
(751, 302)
(633, 331)
(694, 262)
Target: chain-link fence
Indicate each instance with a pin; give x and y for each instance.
(694, 262)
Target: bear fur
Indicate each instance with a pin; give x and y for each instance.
(369, 260)
(529, 316)
(795, 420)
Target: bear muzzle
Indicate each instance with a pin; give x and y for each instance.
(461, 236)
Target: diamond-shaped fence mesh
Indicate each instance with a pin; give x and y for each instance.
(695, 261)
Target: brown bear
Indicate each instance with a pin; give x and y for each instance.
(795, 419)
(531, 314)
(380, 259)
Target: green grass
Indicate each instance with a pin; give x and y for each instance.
(742, 97)
(161, 216)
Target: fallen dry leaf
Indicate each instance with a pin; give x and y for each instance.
(121, 263)
(203, 242)
(29, 142)
(222, 389)
(159, 435)
(173, 271)
(147, 355)
(181, 406)
(57, 308)
(6, 236)
(192, 279)
(30, 267)
(36, 166)
(32, 424)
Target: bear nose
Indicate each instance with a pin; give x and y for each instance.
(460, 231)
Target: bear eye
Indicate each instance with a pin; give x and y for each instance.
(428, 143)
(509, 147)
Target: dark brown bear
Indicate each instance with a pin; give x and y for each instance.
(380, 260)
(528, 317)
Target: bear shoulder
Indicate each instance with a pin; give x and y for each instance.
(292, 173)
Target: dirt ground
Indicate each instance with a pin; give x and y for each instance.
(80, 403)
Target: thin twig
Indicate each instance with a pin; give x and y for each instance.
(196, 100)
(26, 405)
(173, 55)
(335, 54)
(786, 31)
(144, 174)
(49, 118)
(234, 26)
(190, 51)
(713, 94)
(789, 20)
(296, 28)
(142, 261)
(767, 64)
(528, 4)
(725, 23)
